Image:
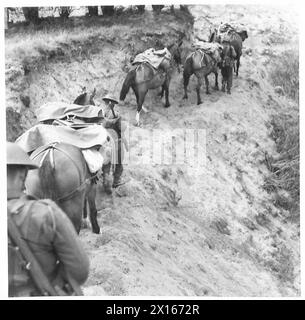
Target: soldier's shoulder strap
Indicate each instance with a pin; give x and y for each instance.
(32, 265)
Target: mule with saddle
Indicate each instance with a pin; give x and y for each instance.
(203, 59)
(70, 150)
(115, 127)
(150, 70)
(233, 34)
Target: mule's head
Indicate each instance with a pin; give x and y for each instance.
(175, 50)
(243, 34)
(86, 98)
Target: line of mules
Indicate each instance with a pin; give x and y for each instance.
(64, 176)
(143, 77)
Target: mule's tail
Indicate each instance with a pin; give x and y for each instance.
(47, 177)
(129, 80)
(188, 69)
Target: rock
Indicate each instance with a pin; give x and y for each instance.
(221, 226)
(210, 244)
(227, 116)
(249, 224)
(279, 90)
(25, 100)
(13, 72)
(262, 219)
(248, 51)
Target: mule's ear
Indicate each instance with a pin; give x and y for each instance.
(93, 93)
(84, 89)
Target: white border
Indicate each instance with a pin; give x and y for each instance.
(3, 226)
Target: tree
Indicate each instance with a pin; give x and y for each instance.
(108, 10)
(157, 8)
(31, 14)
(93, 11)
(6, 18)
(184, 8)
(64, 12)
(140, 9)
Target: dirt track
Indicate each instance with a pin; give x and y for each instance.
(172, 230)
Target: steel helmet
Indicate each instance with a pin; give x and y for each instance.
(15, 155)
(110, 98)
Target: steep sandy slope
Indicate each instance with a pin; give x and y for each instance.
(174, 230)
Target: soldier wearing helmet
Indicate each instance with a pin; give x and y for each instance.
(46, 229)
(113, 121)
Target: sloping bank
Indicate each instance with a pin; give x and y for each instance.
(173, 230)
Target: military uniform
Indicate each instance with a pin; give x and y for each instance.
(113, 121)
(52, 239)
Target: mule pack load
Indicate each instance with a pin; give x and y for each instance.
(153, 57)
(144, 76)
(207, 48)
(69, 123)
(229, 28)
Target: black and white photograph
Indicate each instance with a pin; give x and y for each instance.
(152, 150)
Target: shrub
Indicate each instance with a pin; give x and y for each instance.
(157, 8)
(140, 9)
(285, 169)
(31, 14)
(108, 10)
(285, 73)
(92, 11)
(64, 12)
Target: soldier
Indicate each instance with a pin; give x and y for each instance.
(227, 65)
(46, 231)
(113, 121)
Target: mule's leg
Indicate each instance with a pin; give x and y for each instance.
(139, 108)
(186, 79)
(85, 214)
(238, 64)
(206, 79)
(162, 91)
(166, 88)
(93, 212)
(140, 103)
(229, 80)
(144, 109)
(216, 80)
(117, 181)
(137, 97)
(223, 85)
(199, 83)
(106, 178)
(223, 79)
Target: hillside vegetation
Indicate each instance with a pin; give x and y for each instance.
(228, 229)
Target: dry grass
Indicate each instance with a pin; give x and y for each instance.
(285, 73)
(32, 41)
(285, 169)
